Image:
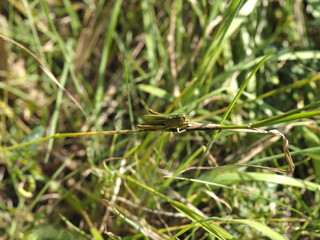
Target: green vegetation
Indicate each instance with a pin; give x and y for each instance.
(72, 67)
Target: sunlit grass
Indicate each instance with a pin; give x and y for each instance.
(69, 67)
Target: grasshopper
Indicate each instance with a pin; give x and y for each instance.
(158, 121)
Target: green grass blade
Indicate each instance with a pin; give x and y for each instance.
(149, 31)
(267, 231)
(112, 23)
(56, 113)
(243, 86)
(225, 179)
(212, 228)
(231, 106)
(290, 115)
(209, 226)
(231, 178)
(214, 49)
(156, 92)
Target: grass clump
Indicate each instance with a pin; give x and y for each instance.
(69, 67)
